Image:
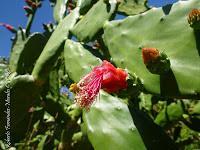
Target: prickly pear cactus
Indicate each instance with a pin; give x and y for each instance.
(93, 82)
(17, 102)
(155, 29)
(123, 130)
(54, 46)
(3, 67)
(17, 48)
(130, 7)
(60, 10)
(94, 20)
(75, 53)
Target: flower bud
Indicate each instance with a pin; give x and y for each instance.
(34, 5)
(28, 9)
(194, 18)
(9, 27)
(28, 2)
(39, 4)
(156, 62)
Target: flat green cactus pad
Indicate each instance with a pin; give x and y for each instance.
(2, 72)
(169, 33)
(54, 47)
(132, 7)
(110, 126)
(17, 95)
(94, 20)
(78, 60)
(17, 48)
(85, 5)
(33, 46)
(60, 10)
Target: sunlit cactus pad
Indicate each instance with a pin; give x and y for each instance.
(168, 33)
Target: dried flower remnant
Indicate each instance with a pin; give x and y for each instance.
(194, 18)
(156, 62)
(149, 54)
(105, 77)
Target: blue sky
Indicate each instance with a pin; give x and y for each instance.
(12, 12)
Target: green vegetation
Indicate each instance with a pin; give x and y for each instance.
(156, 111)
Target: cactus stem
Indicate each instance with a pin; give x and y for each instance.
(30, 21)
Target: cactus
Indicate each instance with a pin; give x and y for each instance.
(150, 101)
(195, 108)
(170, 114)
(54, 46)
(85, 5)
(130, 7)
(134, 37)
(94, 20)
(75, 53)
(60, 10)
(25, 64)
(21, 99)
(2, 72)
(22, 48)
(17, 48)
(108, 128)
(154, 138)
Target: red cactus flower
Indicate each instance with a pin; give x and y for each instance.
(114, 79)
(105, 77)
(149, 54)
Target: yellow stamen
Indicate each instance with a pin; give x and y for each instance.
(74, 88)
